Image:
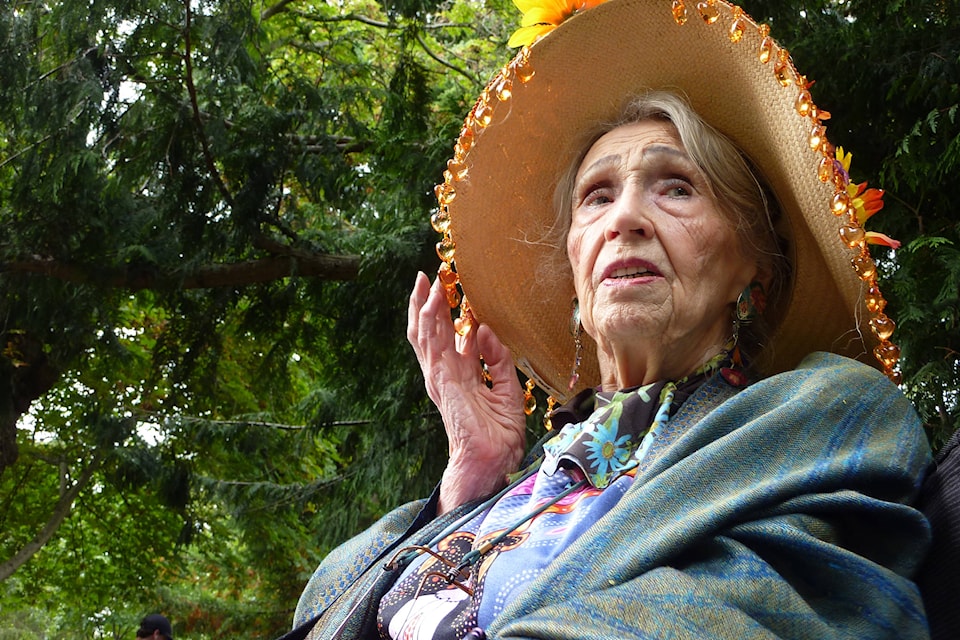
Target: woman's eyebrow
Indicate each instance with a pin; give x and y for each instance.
(613, 158)
(652, 150)
(658, 149)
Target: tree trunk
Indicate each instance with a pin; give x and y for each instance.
(25, 375)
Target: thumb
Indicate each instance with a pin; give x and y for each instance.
(496, 355)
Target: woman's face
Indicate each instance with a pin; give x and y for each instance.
(655, 263)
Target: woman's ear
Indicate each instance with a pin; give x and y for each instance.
(764, 276)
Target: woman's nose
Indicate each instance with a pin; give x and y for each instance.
(629, 215)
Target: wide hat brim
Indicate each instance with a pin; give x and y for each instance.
(584, 70)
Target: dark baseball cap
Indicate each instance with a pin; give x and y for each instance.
(154, 622)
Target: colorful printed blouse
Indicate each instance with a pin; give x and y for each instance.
(584, 472)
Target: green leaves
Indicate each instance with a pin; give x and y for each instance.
(246, 425)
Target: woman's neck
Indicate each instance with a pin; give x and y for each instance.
(635, 365)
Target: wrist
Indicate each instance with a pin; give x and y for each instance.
(465, 483)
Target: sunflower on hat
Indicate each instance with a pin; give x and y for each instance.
(540, 17)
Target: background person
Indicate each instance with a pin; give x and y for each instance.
(155, 626)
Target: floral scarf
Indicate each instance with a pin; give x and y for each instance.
(619, 426)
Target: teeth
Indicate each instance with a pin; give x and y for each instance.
(629, 273)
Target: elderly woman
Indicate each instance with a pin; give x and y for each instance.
(679, 270)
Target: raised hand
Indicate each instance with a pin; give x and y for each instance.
(485, 426)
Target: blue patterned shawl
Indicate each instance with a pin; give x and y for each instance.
(781, 511)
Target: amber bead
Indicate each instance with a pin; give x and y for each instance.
(457, 168)
(445, 193)
(874, 299)
(446, 248)
(529, 400)
(523, 67)
(781, 69)
(461, 325)
(736, 30)
(453, 296)
(738, 26)
(679, 10)
(483, 113)
(840, 177)
(825, 169)
(465, 142)
(864, 266)
(888, 354)
(817, 136)
(883, 326)
(782, 73)
(766, 50)
(440, 220)
(830, 151)
(804, 104)
(853, 235)
(448, 277)
(708, 11)
(529, 404)
(504, 87)
(840, 204)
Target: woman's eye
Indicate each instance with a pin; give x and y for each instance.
(596, 196)
(678, 188)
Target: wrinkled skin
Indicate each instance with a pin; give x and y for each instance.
(657, 269)
(485, 427)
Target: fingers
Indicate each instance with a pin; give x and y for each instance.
(429, 328)
(418, 297)
(427, 314)
(442, 352)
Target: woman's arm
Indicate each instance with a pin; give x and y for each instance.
(485, 426)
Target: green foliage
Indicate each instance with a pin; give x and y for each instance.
(238, 429)
(230, 420)
(889, 72)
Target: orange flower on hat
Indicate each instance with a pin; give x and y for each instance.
(540, 17)
(865, 203)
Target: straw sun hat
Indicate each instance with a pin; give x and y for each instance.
(497, 197)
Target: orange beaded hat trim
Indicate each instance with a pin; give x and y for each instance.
(496, 200)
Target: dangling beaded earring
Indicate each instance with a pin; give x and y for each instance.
(576, 328)
(750, 304)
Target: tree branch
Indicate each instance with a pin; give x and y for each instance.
(354, 17)
(192, 91)
(443, 62)
(350, 17)
(60, 512)
(280, 7)
(294, 263)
